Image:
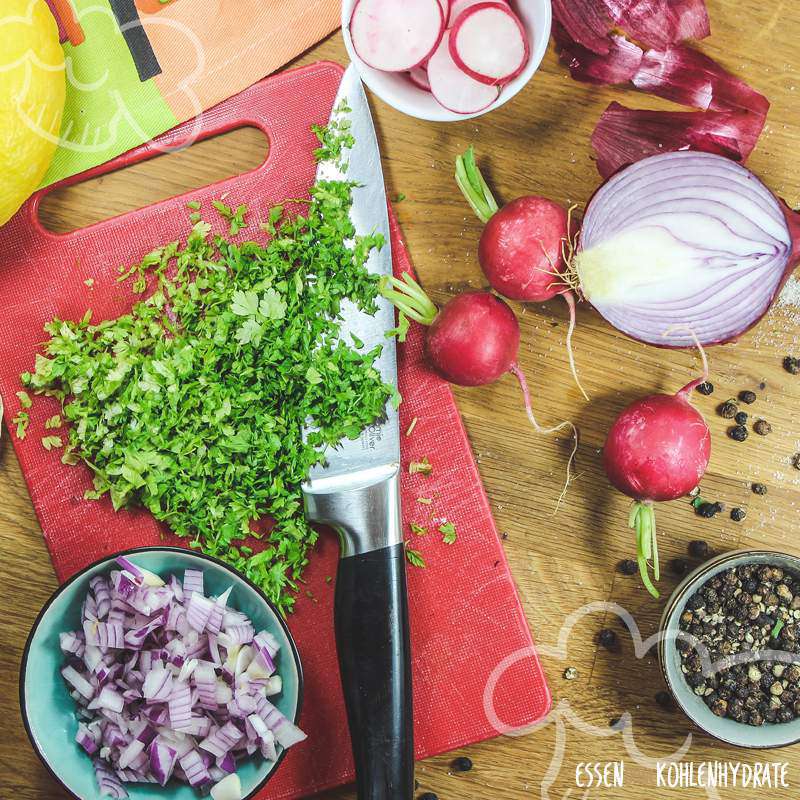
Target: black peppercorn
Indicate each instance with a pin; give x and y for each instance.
(741, 418)
(706, 388)
(428, 796)
(607, 638)
(738, 514)
(698, 548)
(462, 764)
(759, 488)
(628, 566)
(664, 699)
(796, 460)
(728, 409)
(747, 396)
(738, 434)
(792, 365)
(762, 427)
(706, 510)
(679, 566)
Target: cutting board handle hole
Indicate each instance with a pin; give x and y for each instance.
(205, 162)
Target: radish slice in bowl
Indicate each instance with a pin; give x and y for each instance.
(488, 43)
(419, 77)
(453, 88)
(388, 40)
(457, 7)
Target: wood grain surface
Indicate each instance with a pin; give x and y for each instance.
(537, 143)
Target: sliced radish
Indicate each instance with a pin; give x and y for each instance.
(457, 7)
(489, 42)
(419, 77)
(445, 4)
(396, 37)
(452, 87)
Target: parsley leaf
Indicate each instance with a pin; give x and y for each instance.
(449, 531)
(415, 558)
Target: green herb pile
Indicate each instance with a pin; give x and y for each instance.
(193, 404)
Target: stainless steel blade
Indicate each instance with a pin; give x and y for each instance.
(376, 453)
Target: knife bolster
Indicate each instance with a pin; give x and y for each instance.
(362, 507)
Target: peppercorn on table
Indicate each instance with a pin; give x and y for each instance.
(609, 700)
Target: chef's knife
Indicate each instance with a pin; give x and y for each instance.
(357, 493)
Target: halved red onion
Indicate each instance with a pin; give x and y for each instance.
(684, 239)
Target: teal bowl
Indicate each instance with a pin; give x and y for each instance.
(48, 711)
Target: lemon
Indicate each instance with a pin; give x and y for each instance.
(32, 93)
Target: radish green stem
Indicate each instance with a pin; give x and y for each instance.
(526, 396)
(409, 298)
(642, 519)
(474, 187)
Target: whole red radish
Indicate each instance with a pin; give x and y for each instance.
(657, 449)
(521, 250)
(472, 341)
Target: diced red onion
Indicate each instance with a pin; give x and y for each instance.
(193, 581)
(108, 782)
(71, 642)
(684, 244)
(153, 674)
(227, 763)
(131, 752)
(196, 772)
(104, 634)
(102, 595)
(86, 740)
(218, 612)
(286, 732)
(78, 682)
(199, 611)
(162, 760)
(142, 575)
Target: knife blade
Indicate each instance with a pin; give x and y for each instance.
(378, 447)
(356, 491)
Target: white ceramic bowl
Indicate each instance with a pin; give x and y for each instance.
(727, 730)
(397, 90)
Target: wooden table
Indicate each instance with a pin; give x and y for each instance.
(538, 143)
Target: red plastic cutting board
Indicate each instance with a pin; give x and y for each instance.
(466, 618)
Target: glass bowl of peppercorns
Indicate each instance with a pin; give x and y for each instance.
(730, 648)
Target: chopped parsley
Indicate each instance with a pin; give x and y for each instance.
(193, 404)
(423, 467)
(415, 558)
(448, 531)
(236, 218)
(22, 420)
(418, 530)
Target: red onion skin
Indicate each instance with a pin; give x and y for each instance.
(474, 339)
(658, 448)
(520, 249)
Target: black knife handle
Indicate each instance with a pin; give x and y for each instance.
(371, 615)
